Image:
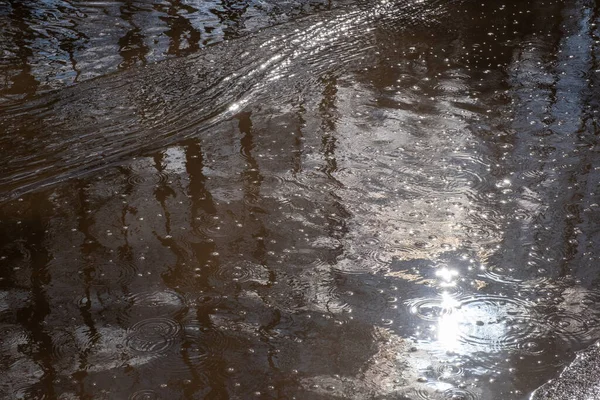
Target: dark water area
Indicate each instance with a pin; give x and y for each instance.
(297, 200)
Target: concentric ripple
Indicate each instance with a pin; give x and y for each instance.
(107, 273)
(572, 328)
(144, 394)
(154, 335)
(443, 391)
(154, 303)
(240, 272)
(148, 180)
(212, 226)
(447, 371)
(63, 344)
(429, 309)
(452, 86)
(486, 324)
(138, 176)
(502, 275)
(200, 349)
(495, 323)
(13, 336)
(459, 394)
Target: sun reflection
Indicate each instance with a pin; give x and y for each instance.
(481, 324)
(447, 276)
(449, 325)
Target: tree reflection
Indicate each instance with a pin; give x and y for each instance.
(132, 46)
(184, 37)
(22, 38)
(231, 14)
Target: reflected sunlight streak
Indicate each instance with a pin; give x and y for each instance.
(449, 323)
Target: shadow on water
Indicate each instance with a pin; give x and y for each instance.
(390, 200)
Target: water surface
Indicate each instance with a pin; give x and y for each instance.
(321, 201)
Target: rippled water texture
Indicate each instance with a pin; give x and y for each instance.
(309, 200)
(50, 44)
